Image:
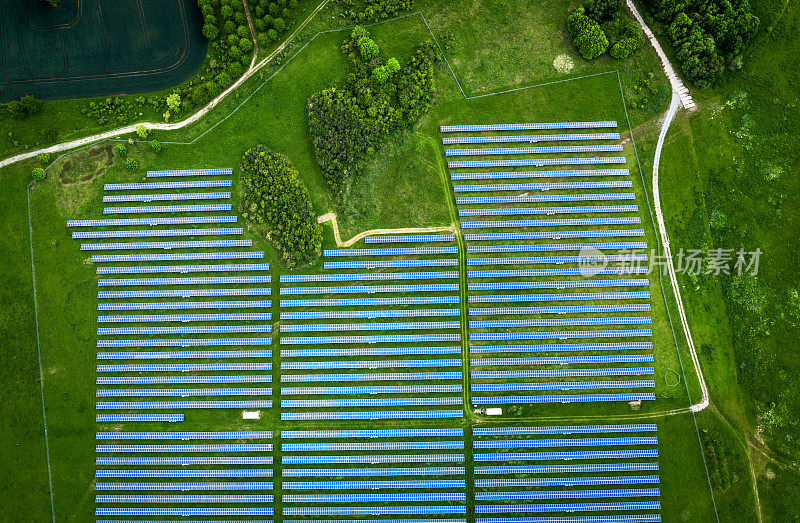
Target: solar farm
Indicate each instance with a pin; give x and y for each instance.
(402, 377)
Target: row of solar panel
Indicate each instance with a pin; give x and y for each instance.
(526, 126)
(139, 380)
(208, 280)
(521, 285)
(392, 313)
(155, 233)
(377, 276)
(538, 174)
(165, 245)
(186, 317)
(538, 162)
(577, 309)
(135, 405)
(391, 264)
(224, 447)
(165, 197)
(554, 149)
(448, 140)
(147, 209)
(538, 198)
(547, 210)
(185, 293)
(395, 376)
(260, 304)
(589, 258)
(194, 184)
(491, 336)
(184, 393)
(231, 255)
(411, 338)
(398, 389)
(152, 221)
(377, 351)
(542, 186)
(562, 347)
(473, 249)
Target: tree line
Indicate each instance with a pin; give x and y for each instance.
(599, 26)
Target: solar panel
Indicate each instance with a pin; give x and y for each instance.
(326, 327)
(526, 126)
(104, 418)
(442, 287)
(226, 485)
(426, 300)
(543, 186)
(372, 498)
(184, 511)
(562, 347)
(152, 221)
(373, 459)
(200, 329)
(626, 518)
(183, 342)
(295, 378)
(208, 354)
(398, 389)
(520, 285)
(548, 210)
(246, 434)
(563, 360)
(208, 280)
(194, 184)
(567, 494)
(364, 364)
(183, 268)
(183, 473)
(372, 415)
(403, 251)
(574, 398)
(111, 393)
(127, 405)
(575, 309)
(165, 245)
(176, 257)
(374, 433)
(557, 272)
(554, 235)
(395, 338)
(371, 446)
(550, 223)
(185, 317)
(565, 385)
(411, 239)
(372, 511)
(209, 460)
(565, 482)
(149, 305)
(146, 209)
(582, 454)
(578, 296)
(114, 198)
(377, 351)
(370, 402)
(538, 198)
(379, 276)
(189, 172)
(575, 442)
(556, 247)
(530, 138)
(184, 367)
(538, 162)
(137, 380)
(344, 485)
(225, 447)
(557, 322)
(564, 429)
(560, 373)
(155, 232)
(184, 293)
(552, 149)
(392, 313)
(559, 335)
(350, 472)
(567, 507)
(567, 469)
(390, 264)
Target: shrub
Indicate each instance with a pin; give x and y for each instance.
(142, 131)
(39, 173)
(120, 150)
(131, 164)
(587, 35)
(154, 146)
(367, 47)
(273, 196)
(43, 158)
(24, 107)
(623, 48)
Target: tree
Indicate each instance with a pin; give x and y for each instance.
(154, 146)
(381, 74)
(393, 65)
(142, 131)
(246, 45)
(24, 107)
(174, 102)
(43, 158)
(602, 10)
(131, 164)
(210, 31)
(120, 150)
(592, 42)
(367, 47)
(39, 173)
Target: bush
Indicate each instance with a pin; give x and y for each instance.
(154, 146)
(142, 131)
(587, 35)
(24, 107)
(39, 173)
(367, 47)
(131, 164)
(623, 48)
(43, 158)
(273, 196)
(120, 150)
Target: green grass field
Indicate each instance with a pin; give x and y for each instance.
(406, 184)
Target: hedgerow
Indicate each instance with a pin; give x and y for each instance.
(274, 197)
(373, 10)
(350, 121)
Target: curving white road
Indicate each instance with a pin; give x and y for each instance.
(161, 126)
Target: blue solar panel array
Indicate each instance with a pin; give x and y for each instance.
(155, 233)
(534, 150)
(527, 126)
(190, 172)
(194, 184)
(113, 198)
(449, 140)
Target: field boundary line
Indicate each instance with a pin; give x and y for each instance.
(39, 352)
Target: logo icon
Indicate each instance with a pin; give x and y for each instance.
(591, 262)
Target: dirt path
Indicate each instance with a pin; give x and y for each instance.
(160, 126)
(252, 33)
(331, 217)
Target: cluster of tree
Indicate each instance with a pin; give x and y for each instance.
(350, 121)
(24, 107)
(274, 197)
(372, 10)
(599, 26)
(708, 34)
